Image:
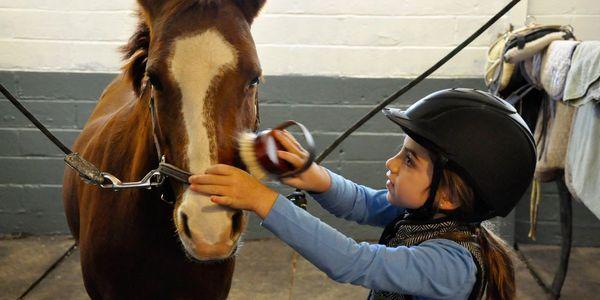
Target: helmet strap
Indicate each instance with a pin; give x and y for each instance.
(426, 211)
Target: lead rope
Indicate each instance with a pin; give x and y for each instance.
(90, 174)
(87, 171)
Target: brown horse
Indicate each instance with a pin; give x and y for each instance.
(201, 60)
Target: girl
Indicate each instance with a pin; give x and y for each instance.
(468, 156)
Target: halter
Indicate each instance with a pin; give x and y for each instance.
(90, 174)
(156, 177)
(153, 179)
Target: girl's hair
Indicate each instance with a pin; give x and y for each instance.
(497, 255)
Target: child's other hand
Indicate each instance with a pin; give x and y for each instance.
(234, 187)
(315, 178)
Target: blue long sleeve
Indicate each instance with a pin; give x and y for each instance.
(356, 202)
(438, 268)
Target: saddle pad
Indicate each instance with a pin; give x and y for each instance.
(555, 67)
(584, 72)
(582, 175)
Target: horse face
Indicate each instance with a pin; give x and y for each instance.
(203, 64)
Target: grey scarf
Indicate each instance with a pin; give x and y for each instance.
(411, 233)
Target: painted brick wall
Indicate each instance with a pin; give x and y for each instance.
(309, 49)
(380, 38)
(583, 15)
(32, 167)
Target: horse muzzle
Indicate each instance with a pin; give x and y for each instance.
(208, 231)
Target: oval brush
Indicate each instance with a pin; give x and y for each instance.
(259, 153)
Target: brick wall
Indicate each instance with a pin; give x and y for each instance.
(331, 38)
(59, 55)
(583, 15)
(399, 38)
(31, 177)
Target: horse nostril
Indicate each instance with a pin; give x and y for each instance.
(186, 228)
(236, 223)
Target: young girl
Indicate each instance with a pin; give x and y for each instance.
(468, 156)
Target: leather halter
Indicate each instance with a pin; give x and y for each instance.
(153, 179)
(165, 168)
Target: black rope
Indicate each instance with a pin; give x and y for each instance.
(49, 270)
(35, 121)
(415, 81)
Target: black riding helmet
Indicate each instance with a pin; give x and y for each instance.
(480, 137)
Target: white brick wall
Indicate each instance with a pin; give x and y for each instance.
(583, 15)
(382, 38)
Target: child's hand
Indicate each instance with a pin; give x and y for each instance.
(315, 178)
(235, 188)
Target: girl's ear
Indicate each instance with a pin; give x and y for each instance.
(446, 203)
(250, 8)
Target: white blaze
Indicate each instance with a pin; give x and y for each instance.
(196, 61)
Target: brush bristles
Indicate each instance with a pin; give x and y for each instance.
(248, 155)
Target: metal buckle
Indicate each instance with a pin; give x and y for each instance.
(153, 179)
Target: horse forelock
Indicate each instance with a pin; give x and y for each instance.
(135, 51)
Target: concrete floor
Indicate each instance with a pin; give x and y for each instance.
(281, 275)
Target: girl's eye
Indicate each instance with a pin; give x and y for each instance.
(408, 161)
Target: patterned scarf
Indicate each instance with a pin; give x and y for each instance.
(412, 232)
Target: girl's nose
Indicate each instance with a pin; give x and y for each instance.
(390, 164)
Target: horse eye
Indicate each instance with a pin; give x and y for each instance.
(154, 81)
(255, 82)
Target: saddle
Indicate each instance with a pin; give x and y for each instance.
(515, 46)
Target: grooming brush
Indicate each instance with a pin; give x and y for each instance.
(258, 151)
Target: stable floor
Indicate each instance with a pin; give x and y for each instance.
(283, 274)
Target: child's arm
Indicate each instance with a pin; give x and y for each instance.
(356, 202)
(338, 195)
(437, 268)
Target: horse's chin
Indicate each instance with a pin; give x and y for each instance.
(211, 257)
(208, 261)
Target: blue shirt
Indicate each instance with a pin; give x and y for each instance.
(435, 269)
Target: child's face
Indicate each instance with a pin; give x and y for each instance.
(409, 173)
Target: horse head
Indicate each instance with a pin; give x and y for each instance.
(201, 62)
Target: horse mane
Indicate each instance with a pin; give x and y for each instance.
(135, 54)
(135, 51)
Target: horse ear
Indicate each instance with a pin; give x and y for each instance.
(250, 8)
(135, 54)
(152, 7)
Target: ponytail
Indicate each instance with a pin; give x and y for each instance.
(498, 257)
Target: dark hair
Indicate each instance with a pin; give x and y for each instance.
(497, 255)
